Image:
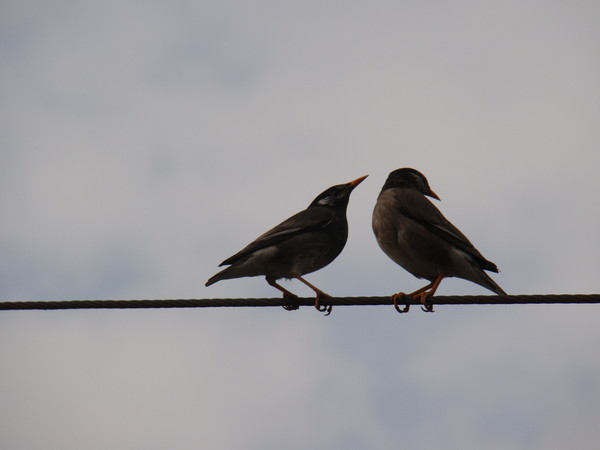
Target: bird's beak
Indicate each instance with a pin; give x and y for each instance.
(357, 181)
(433, 195)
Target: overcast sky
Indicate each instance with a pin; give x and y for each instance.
(142, 143)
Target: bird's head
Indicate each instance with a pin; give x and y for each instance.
(337, 196)
(409, 179)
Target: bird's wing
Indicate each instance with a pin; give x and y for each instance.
(307, 220)
(419, 209)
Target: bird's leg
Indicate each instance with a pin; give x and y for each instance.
(287, 295)
(402, 295)
(424, 294)
(320, 295)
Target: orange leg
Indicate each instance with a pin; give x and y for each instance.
(422, 293)
(287, 295)
(320, 295)
(401, 295)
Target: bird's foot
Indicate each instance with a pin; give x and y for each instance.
(291, 302)
(426, 305)
(322, 308)
(320, 295)
(400, 296)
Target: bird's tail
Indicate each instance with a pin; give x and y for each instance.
(486, 281)
(222, 275)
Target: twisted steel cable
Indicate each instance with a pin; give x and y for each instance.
(305, 301)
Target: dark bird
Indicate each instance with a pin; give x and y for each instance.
(304, 243)
(416, 235)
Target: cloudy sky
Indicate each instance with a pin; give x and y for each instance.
(142, 143)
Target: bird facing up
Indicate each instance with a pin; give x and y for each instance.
(301, 244)
(415, 234)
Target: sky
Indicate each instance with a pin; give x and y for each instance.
(142, 143)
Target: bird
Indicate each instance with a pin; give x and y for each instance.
(304, 243)
(413, 232)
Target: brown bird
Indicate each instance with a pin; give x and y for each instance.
(304, 243)
(416, 235)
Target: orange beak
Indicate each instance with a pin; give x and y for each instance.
(433, 195)
(357, 181)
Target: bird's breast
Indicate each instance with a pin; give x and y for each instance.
(405, 241)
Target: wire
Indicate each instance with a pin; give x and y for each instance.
(334, 301)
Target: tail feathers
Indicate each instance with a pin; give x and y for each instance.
(222, 275)
(487, 282)
(246, 268)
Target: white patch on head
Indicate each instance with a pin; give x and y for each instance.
(326, 201)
